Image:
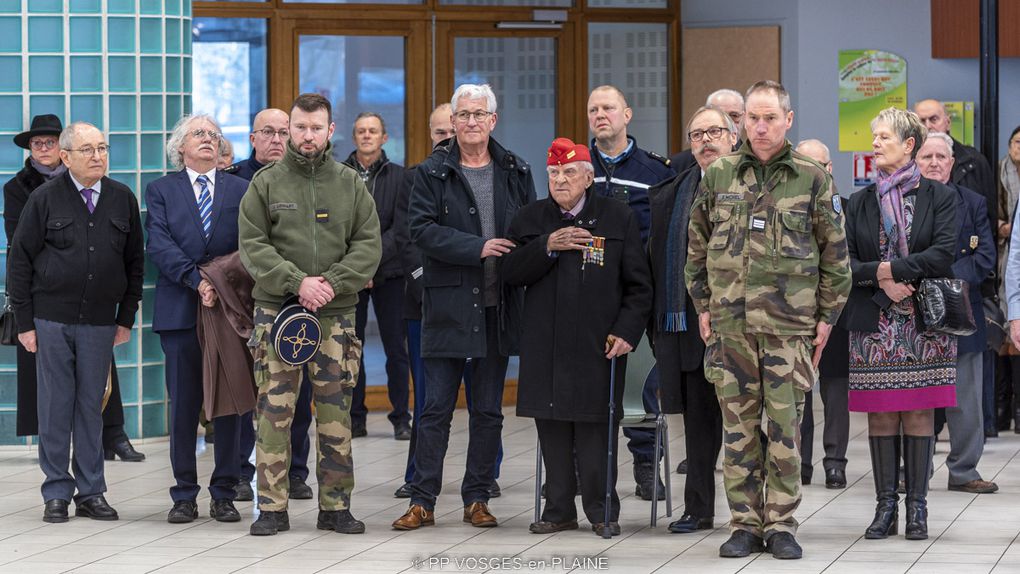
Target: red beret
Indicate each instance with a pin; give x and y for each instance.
(563, 151)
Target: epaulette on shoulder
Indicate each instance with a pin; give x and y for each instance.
(232, 169)
(661, 159)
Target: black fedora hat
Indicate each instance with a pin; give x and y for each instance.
(44, 125)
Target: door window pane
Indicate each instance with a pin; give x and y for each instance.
(627, 4)
(353, 1)
(540, 3)
(522, 73)
(357, 74)
(635, 59)
(229, 75)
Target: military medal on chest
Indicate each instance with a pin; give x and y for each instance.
(595, 253)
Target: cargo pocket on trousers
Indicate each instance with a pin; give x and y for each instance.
(350, 362)
(713, 362)
(259, 348)
(803, 374)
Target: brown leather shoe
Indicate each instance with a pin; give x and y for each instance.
(415, 517)
(545, 527)
(976, 486)
(477, 513)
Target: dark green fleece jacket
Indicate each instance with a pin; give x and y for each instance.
(309, 217)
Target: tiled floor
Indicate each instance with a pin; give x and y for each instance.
(968, 533)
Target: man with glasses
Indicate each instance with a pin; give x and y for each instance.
(731, 103)
(269, 136)
(42, 165)
(198, 193)
(463, 199)
(308, 228)
(624, 172)
(75, 281)
(679, 349)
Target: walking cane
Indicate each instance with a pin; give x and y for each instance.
(609, 455)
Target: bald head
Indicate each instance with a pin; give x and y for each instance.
(933, 115)
(269, 135)
(731, 102)
(441, 123)
(817, 151)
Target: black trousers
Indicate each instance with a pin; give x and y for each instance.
(388, 302)
(703, 438)
(560, 440)
(836, 433)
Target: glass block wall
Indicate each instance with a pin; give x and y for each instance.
(125, 66)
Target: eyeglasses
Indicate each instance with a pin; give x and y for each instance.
(89, 151)
(39, 145)
(567, 172)
(270, 133)
(479, 116)
(713, 133)
(201, 134)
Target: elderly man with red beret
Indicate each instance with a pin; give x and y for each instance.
(588, 299)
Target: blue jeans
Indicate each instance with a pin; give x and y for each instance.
(485, 426)
(418, 378)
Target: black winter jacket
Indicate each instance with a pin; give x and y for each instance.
(444, 224)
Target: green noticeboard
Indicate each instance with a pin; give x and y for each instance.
(869, 82)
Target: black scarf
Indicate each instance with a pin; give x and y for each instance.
(673, 319)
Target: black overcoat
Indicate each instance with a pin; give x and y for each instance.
(570, 308)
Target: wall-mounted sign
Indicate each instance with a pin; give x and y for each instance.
(864, 169)
(869, 82)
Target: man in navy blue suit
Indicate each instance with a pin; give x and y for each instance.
(192, 218)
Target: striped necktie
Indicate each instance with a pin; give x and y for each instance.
(205, 204)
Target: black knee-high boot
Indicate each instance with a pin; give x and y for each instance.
(917, 461)
(885, 456)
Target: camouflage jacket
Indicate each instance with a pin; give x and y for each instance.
(767, 259)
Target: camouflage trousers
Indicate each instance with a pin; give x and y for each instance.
(756, 377)
(333, 372)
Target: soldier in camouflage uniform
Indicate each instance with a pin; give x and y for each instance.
(308, 226)
(768, 273)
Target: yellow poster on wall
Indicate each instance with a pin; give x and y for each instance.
(869, 81)
(961, 115)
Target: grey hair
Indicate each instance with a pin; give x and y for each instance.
(905, 124)
(364, 115)
(471, 92)
(726, 118)
(825, 148)
(723, 92)
(226, 147)
(776, 88)
(585, 166)
(66, 140)
(945, 138)
(173, 144)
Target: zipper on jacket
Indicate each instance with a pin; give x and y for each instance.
(315, 244)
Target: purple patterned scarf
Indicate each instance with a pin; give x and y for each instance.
(891, 188)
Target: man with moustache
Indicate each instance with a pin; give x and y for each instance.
(768, 272)
(679, 349)
(731, 102)
(308, 227)
(384, 180)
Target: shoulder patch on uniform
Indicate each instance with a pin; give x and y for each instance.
(232, 168)
(655, 156)
(837, 204)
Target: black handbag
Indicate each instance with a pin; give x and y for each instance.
(944, 306)
(8, 326)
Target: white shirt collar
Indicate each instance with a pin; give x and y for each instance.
(95, 187)
(210, 175)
